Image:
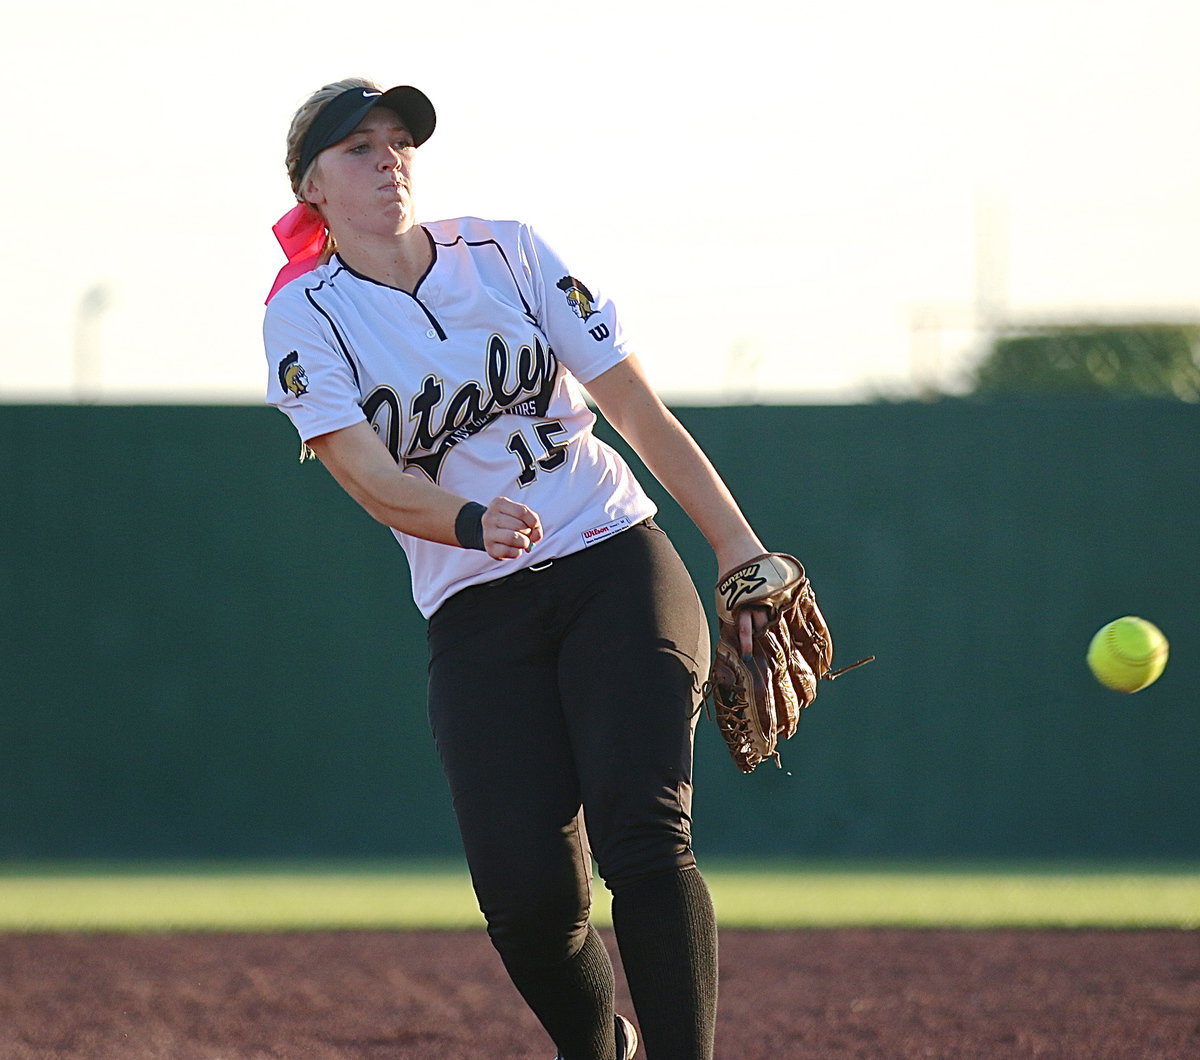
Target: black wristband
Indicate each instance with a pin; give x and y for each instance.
(468, 525)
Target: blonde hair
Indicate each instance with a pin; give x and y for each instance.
(301, 122)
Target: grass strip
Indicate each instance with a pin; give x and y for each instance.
(314, 896)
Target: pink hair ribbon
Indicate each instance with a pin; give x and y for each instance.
(301, 233)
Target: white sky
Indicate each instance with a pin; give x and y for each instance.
(772, 192)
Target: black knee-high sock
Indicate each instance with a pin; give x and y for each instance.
(573, 999)
(667, 933)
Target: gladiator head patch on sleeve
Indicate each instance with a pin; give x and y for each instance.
(579, 298)
(292, 376)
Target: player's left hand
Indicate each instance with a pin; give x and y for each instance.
(747, 620)
(751, 620)
(773, 649)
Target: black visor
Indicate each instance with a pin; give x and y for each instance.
(342, 115)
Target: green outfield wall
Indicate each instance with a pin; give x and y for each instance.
(208, 650)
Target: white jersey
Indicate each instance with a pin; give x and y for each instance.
(473, 381)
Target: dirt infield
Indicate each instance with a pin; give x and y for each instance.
(881, 994)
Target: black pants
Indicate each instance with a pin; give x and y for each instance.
(576, 686)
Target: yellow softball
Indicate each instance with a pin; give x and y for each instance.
(1128, 654)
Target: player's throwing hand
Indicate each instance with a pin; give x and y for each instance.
(510, 529)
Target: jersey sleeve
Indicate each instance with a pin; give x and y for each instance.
(580, 322)
(308, 377)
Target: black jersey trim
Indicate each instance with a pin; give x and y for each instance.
(507, 264)
(432, 258)
(345, 350)
(437, 324)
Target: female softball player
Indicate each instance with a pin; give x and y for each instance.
(438, 371)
